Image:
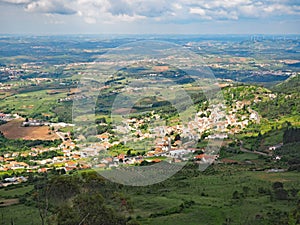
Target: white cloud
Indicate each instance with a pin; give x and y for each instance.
(200, 12)
(282, 9)
(175, 11)
(197, 11)
(51, 7)
(16, 1)
(90, 20)
(177, 6)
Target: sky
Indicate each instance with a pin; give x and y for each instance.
(150, 16)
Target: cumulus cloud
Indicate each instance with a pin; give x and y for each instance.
(16, 1)
(200, 12)
(113, 11)
(121, 7)
(51, 7)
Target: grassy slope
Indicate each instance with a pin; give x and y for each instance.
(217, 204)
(11, 193)
(20, 215)
(212, 191)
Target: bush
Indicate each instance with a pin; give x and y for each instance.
(133, 222)
(277, 185)
(281, 194)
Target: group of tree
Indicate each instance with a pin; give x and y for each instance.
(291, 135)
(79, 199)
(7, 145)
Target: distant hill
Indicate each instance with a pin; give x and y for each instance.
(294, 64)
(286, 102)
(291, 85)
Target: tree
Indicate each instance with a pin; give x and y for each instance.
(279, 192)
(41, 197)
(277, 185)
(291, 135)
(246, 191)
(133, 222)
(235, 195)
(64, 187)
(58, 189)
(89, 209)
(177, 137)
(100, 120)
(294, 217)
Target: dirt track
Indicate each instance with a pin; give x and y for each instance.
(8, 202)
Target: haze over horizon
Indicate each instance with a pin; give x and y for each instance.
(150, 16)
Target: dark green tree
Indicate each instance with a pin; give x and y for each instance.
(89, 210)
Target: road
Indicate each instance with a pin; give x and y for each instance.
(254, 152)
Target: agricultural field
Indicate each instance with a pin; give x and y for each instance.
(15, 130)
(35, 104)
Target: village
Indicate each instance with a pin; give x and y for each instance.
(174, 144)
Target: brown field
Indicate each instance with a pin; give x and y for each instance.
(14, 130)
(160, 68)
(75, 90)
(123, 111)
(237, 60)
(53, 92)
(27, 106)
(222, 85)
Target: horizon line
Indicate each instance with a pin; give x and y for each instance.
(154, 34)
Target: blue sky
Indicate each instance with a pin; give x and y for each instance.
(150, 16)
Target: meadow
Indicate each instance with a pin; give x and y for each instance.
(223, 194)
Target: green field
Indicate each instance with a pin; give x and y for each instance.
(213, 197)
(222, 194)
(19, 215)
(36, 102)
(15, 192)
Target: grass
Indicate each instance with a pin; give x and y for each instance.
(273, 138)
(158, 157)
(66, 129)
(267, 126)
(31, 102)
(244, 156)
(19, 215)
(213, 198)
(211, 193)
(140, 146)
(11, 193)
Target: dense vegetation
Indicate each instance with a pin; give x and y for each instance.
(18, 145)
(291, 135)
(286, 102)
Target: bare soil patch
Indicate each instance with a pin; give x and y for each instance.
(14, 130)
